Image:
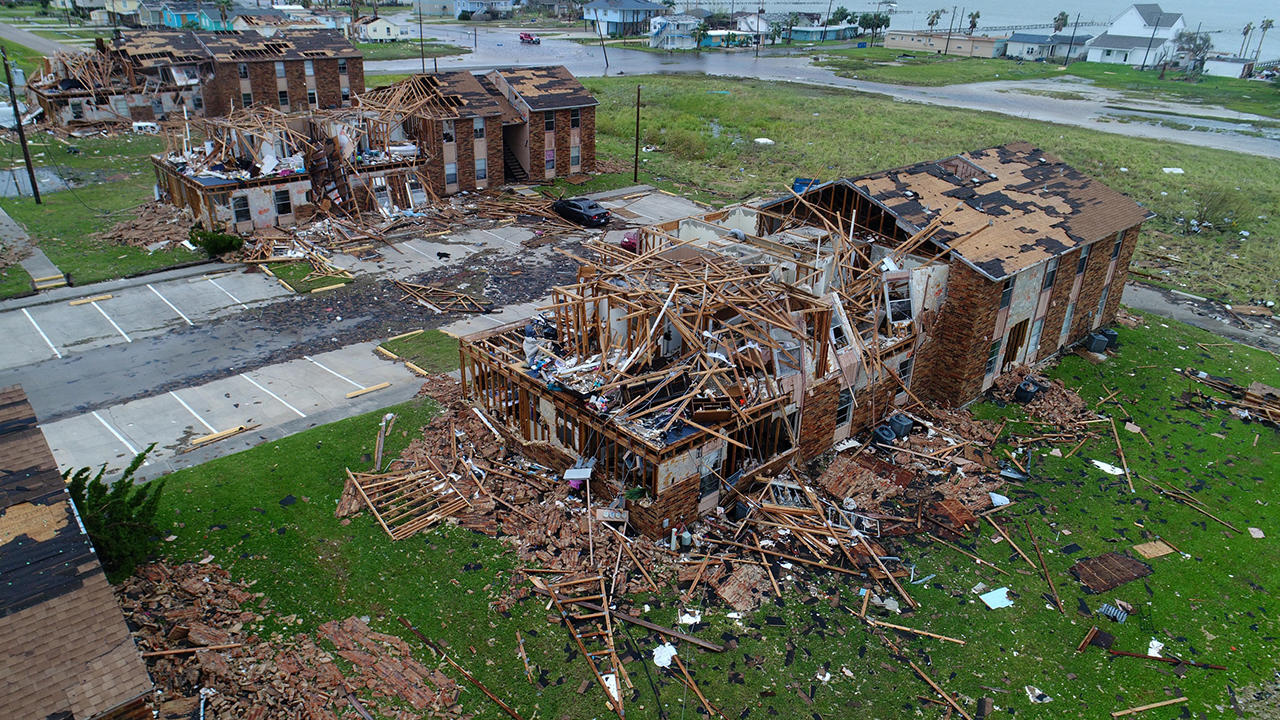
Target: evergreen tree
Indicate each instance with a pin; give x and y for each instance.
(120, 517)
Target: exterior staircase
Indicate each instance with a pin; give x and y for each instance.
(511, 168)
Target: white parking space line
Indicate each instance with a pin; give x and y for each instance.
(194, 414)
(123, 334)
(486, 232)
(171, 305)
(46, 337)
(338, 375)
(407, 246)
(277, 397)
(128, 445)
(233, 297)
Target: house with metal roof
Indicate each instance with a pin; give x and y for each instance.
(1141, 35)
(620, 17)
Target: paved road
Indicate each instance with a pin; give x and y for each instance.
(36, 42)
(496, 47)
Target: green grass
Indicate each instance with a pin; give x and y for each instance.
(432, 350)
(14, 280)
(705, 128)
(1215, 607)
(295, 274)
(1250, 96)
(119, 175)
(1055, 94)
(878, 64)
(408, 49)
(21, 56)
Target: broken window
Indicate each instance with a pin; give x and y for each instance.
(77, 110)
(1066, 321)
(381, 193)
(279, 69)
(897, 295)
(1006, 296)
(549, 121)
(1036, 329)
(993, 357)
(482, 168)
(417, 194)
(1050, 275)
(240, 206)
(451, 173)
(243, 70)
(342, 66)
(447, 131)
(844, 407)
(311, 97)
(904, 371)
(1102, 301)
(284, 99)
(551, 160)
(284, 206)
(786, 359)
(575, 118)
(346, 94)
(1084, 258)
(197, 102)
(477, 128)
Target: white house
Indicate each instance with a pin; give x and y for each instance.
(492, 8)
(621, 17)
(374, 29)
(1227, 66)
(672, 32)
(1141, 35)
(429, 8)
(1029, 46)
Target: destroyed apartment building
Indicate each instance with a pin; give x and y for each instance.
(396, 148)
(731, 344)
(154, 75)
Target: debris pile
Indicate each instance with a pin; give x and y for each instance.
(155, 226)
(193, 624)
(1255, 402)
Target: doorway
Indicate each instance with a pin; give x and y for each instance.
(1013, 344)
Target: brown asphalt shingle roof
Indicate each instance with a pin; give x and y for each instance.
(64, 645)
(551, 87)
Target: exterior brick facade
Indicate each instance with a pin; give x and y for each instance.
(818, 421)
(493, 132)
(1059, 300)
(951, 365)
(537, 147)
(1095, 278)
(1121, 275)
(677, 504)
(224, 92)
(588, 139)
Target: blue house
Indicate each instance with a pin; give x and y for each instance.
(180, 15)
(620, 17)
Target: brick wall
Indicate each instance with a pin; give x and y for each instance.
(328, 86)
(950, 366)
(818, 421)
(295, 75)
(466, 154)
(537, 148)
(562, 144)
(1095, 278)
(355, 75)
(1059, 299)
(868, 412)
(493, 133)
(262, 83)
(588, 139)
(1121, 274)
(219, 91)
(678, 504)
(431, 138)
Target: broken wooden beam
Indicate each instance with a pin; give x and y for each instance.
(1152, 706)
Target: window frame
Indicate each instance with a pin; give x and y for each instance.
(1115, 249)
(235, 209)
(575, 156)
(283, 97)
(342, 66)
(448, 172)
(844, 407)
(549, 160)
(309, 68)
(549, 121)
(482, 168)
(1084, 258)
(575, 118)
(993, 357)
(282, 198)
(246, 99)
(1006, 293)
(477, 128)
(1050, 275)
(242, 70)
(280, 71)
(448, 131)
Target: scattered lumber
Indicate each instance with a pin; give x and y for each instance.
(1152, 706)
(441, 300)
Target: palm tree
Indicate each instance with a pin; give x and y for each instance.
(223, 7)
(973, 21)
(699, 34)
(933, 18)
(1264, 27)
(1244, 34)
(793, 19)
(1060, 21)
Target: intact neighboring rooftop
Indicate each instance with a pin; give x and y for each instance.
(1003, 209)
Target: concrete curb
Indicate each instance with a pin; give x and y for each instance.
(63, 294)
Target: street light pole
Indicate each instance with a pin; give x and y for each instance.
(1071, 46)
(635, 164)
(17, 120)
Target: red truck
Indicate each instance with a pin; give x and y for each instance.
(529, 39)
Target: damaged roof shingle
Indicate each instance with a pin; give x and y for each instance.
(547, 88)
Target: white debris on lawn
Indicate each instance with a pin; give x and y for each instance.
(662, 655)
(691, 618)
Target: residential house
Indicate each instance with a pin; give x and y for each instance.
(672, 32)
(484, 9)
(181, 15)
(374, 29)
(266, 22)
(160, 73)
(395, 147)
(67, 650)
(1142, 35)
(620, 17)
(552, 8)
(434, 8)
(1228, 66)
(947, 43)
(1030, 46)
(124, 12)
(828, 312)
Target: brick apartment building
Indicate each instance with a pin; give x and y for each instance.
(398, 145)
(154, 75)
(928, 281)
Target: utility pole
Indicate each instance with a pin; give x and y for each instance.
(422, 48)
(635, 164)
(17, 120)
(603, 49)
(1150, 40)
(760, 33)
(946, 50)
(1071, 46)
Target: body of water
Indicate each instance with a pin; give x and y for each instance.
(1224, 21)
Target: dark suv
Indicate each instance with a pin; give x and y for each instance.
(583, 211)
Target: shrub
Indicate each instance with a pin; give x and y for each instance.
(120, 518)
(215, 243)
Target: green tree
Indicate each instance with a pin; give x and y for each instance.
(669, 4)
(120, 517)
(934, 17)
(793, 19)
(223, 7)
(775, 33)
(973, 21)
(873, 22)
(1264, 27)
(1060, 21)
(1196, 46)
(841, 15)
(699, 34)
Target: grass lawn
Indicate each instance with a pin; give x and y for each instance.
(14, 281)
(430, 350)
(1250, 96)
(408, 49)
(295, 274)
(879, 64)
(21, 56)
(120, 179)
(1215, 606)
(705, 126)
